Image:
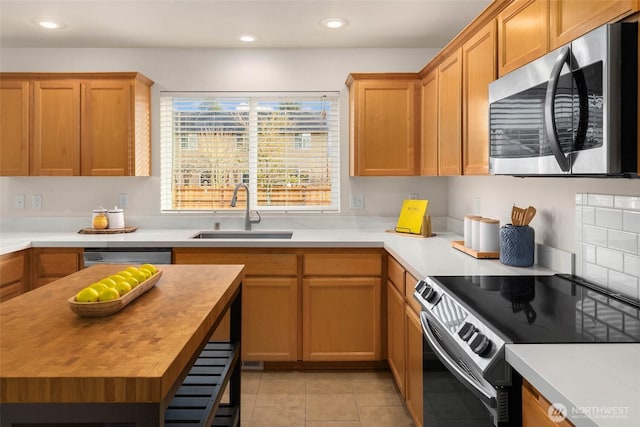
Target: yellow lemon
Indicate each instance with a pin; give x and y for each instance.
(99, 286)
(139, 276)
(124, 273)
(117, 278)
(108, 281)
(152, 268)
(109, 294)
(133, 282)
(122, 287)
(87, 295)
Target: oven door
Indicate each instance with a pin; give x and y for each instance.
(453, 393)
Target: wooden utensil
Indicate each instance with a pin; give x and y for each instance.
(529, 213)
(517, 215)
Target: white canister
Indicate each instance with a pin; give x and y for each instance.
(116, 218)
(468, 230)
(475, 233)
(98, 212)
(489, 235)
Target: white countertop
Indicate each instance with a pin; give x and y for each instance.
(578, 375)
(598, 384)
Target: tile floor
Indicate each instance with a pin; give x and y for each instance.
(321, 399)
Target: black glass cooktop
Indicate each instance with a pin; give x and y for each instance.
(547, 309)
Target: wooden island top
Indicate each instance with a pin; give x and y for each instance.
(48, 354)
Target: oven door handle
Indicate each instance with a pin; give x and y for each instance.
(487, 397)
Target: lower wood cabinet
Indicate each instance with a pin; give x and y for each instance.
(413, 386)
(14, 274)
(535, 409)
(270, 319)
(49, 264)
(396, 335)
(341, 319)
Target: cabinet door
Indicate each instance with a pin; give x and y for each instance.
(450, 115)
(413, 387)
(14, 127)
(569, 19)
(56, 128)
(396, 335)
(384, 127)
(523, 33)
(107, 128)
(535, 409)
(479, 63)
(341, 319)
(270, 319)
(13, 275)
(49, 264)
(429, 125)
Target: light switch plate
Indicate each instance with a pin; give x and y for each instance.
(36, 201)
(19, 201)
(357, 201)
(124, 201)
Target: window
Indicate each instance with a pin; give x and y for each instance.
(284, 146)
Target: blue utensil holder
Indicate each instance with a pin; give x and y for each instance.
(517, 245)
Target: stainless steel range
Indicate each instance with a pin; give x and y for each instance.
(467, 321)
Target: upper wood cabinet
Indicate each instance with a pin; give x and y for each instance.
(56, 127)
(527, 29)
(569, 19)
(523, 33)
(479, 63)
(450, 115)
(79, 124)
(383, 124)
(429, 125)
(14, 127)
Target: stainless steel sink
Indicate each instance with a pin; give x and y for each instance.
(239, 234)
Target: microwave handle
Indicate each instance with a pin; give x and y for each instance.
(550, 113)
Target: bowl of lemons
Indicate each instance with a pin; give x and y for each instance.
(112, 293)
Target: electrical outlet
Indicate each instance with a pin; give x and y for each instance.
(357, 202)
(124, 201)
(476, 206)
(413, 196)
(36, 201)
(19, 201)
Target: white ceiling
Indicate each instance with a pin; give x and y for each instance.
(217, 23)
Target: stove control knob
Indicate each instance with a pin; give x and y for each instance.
(466, 331)
(429, 294)
(420, 285)
(480, 345)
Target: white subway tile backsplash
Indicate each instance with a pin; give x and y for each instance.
(631, 221)
(595, 273)
(608, 241)
(623, 241)
(627, 202)
(623, 283)
(589, 215)
(609, 218)
(594, 235)
(632, 265)
(603, 200)
(609, 258)
(589, 252)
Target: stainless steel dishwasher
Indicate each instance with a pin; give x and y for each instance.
(132, 256)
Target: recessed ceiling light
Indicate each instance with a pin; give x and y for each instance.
(247, 38)
(333, 23)
(49, 24)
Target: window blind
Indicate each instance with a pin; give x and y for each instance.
(284, 146)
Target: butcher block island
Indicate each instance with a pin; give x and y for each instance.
(130, 367)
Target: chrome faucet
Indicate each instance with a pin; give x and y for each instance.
(247, 216)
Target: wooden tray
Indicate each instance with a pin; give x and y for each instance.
(459, 245)
(107, 230)
(107, 308)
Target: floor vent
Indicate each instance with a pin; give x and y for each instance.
(253, 365)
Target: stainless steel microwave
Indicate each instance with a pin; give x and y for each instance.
(570, 112)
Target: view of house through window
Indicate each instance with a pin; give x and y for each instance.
(285, 147)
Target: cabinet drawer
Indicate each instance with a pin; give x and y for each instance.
(408, 294)
(343, 264)
(256, 264)
(396, 274)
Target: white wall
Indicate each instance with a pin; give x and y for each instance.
(215, 70)
(554, 199)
